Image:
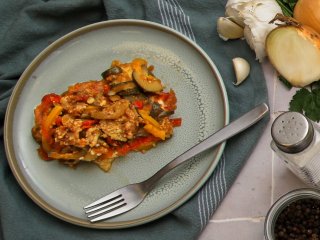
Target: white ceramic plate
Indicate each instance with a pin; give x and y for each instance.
(82, 55)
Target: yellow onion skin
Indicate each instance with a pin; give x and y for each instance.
(303, 72)
(308, 12)
(310, 34)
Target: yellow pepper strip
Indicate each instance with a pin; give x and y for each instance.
(144, 112)
(148, 118)
(152, 126)
(155, 131)
(66, 156)
(46, 126)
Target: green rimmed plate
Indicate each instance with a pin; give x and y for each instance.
(82, 55)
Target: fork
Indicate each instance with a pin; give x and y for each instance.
(130, 196)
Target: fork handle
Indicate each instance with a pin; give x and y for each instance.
(235, 127)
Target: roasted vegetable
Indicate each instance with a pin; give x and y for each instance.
(144, 77)
(147, 82)
(46, 127)
(158, 112)
(111, 71)
(99, 120)
(126, 88)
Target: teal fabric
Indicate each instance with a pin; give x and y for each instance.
(28, 26)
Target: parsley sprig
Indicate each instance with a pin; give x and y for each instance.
(307, 102)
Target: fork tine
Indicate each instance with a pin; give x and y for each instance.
(115, 206)
(105, 204)
(108, 197)
(116, 212)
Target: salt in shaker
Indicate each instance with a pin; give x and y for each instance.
(296, 140)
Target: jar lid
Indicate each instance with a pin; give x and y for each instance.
(292, 132)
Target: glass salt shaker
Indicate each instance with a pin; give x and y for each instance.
(296, 140)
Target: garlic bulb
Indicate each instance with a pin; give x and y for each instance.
(255, 16)
(233, 9)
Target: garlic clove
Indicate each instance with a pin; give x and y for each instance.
(230, 12)
(241, 68)
(227, 29)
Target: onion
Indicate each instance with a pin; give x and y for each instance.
(294, 50)
(308, 13)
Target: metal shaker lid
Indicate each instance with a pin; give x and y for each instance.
(292, 132)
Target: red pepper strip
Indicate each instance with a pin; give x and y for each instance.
(89, 123)
(138, 104)
(123, 150)
(143, 142)
(138, 144)
(51, 98)
(176, 122)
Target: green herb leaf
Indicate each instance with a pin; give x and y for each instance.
(287, 6)
(297, 102)
(285, 82)
(307, 102)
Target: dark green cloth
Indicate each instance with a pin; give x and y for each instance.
(28, 26)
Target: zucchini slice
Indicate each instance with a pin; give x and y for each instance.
(111, 71)
(125, 88)
(147, 82)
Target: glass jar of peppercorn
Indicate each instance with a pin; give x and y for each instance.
(295, 216)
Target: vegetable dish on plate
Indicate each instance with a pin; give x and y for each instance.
(99, 120)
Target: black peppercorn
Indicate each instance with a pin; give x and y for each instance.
(299, 220)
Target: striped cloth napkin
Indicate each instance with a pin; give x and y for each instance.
(27, 27)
